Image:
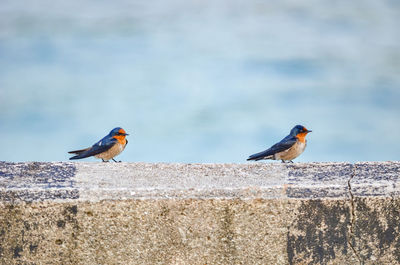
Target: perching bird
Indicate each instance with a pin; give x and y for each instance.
(105, 149)
(288, 148)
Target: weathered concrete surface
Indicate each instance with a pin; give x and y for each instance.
(140, 213)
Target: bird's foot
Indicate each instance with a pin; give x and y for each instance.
(116, 161)
(283, 161)
(105, 161)
(291, 161)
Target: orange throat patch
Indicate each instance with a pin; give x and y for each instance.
(301, 137)
(121, 139)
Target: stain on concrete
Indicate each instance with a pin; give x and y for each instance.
(377, 229)
(36, 181)
(227, 236)
(17, 251)
(72, 209)
(311, 180)
(15, 235)
(61, 223)
(386, 171)
(32, 248)
(70, 219)
(32, 230)
(317, 172)
(377, 179)
(37, 174)
(31, 195)
(319, 232)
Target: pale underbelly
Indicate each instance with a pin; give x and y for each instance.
(292, 152)
(112, 152)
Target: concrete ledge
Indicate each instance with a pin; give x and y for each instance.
(255, 213)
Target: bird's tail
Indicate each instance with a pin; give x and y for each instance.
(254, 158)
(78, 153)
(260, 156)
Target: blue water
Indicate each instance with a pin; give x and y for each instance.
(200, 81)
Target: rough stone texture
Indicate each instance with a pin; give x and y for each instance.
(187, 231)
(140, 213)
(376, 179)
(377, 230)
(319, 233)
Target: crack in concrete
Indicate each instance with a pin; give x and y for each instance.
(353, 217)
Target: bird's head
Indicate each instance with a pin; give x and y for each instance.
(118, 133)
(300, 132)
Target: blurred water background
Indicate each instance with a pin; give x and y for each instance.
(200, 81)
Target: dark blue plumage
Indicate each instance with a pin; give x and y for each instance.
(283, 145)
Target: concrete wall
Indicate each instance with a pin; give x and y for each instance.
(255, 213)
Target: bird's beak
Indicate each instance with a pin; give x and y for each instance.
(124, 134)
(308, 131)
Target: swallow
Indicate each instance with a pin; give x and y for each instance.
(105, 149)
(288, 148)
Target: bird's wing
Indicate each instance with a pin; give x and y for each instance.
(99, 147)
(283, 145)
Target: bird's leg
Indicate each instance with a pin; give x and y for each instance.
(291, 161)
(104, 160)
(283, 161)
(116, 160)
